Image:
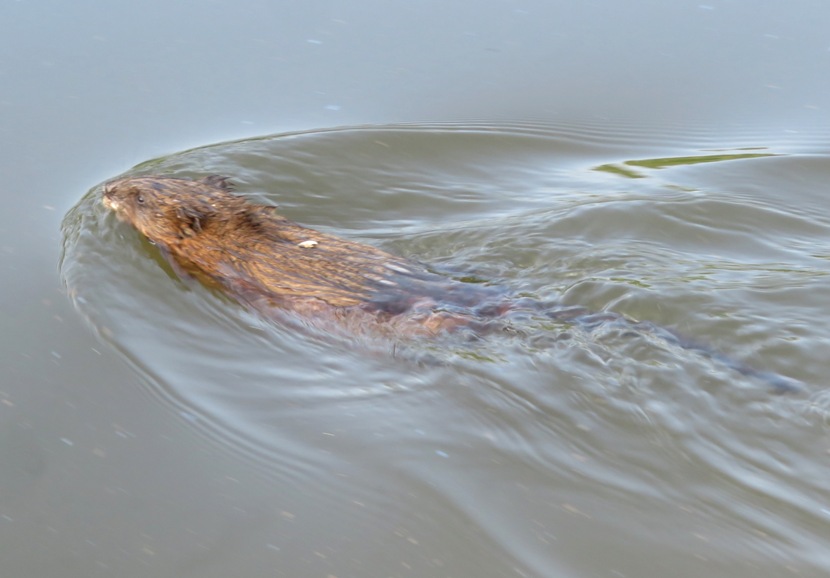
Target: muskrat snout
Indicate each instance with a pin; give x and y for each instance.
(107, 198)
(116, 198)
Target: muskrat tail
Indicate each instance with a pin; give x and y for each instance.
(780, 384)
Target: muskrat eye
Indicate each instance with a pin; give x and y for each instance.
(140, 199)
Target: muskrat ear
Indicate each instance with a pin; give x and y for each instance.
(190, 221)
(219, 182)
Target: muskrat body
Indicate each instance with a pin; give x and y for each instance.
(267, 261)
(271, 263)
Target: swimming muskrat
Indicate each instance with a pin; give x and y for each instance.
(271, 263)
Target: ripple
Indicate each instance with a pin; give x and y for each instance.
(548, 433)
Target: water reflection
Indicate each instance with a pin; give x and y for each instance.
(624, 171)
(551, 445)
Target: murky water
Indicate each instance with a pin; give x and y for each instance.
(665, 160)
(539, 451)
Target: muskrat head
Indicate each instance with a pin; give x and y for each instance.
(166, 209)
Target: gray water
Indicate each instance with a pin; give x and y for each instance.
(663, 161)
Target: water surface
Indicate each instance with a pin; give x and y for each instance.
(535, 452)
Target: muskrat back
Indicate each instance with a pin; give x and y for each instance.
(259, 256)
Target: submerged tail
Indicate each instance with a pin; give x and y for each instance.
(780, 384)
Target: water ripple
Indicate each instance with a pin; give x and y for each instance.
(549, 436)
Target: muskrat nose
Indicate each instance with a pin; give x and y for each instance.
(107, 199)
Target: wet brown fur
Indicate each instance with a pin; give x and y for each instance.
(260, 257)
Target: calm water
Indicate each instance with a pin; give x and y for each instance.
(667, 161)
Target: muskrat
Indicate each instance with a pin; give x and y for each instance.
(254, 254)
